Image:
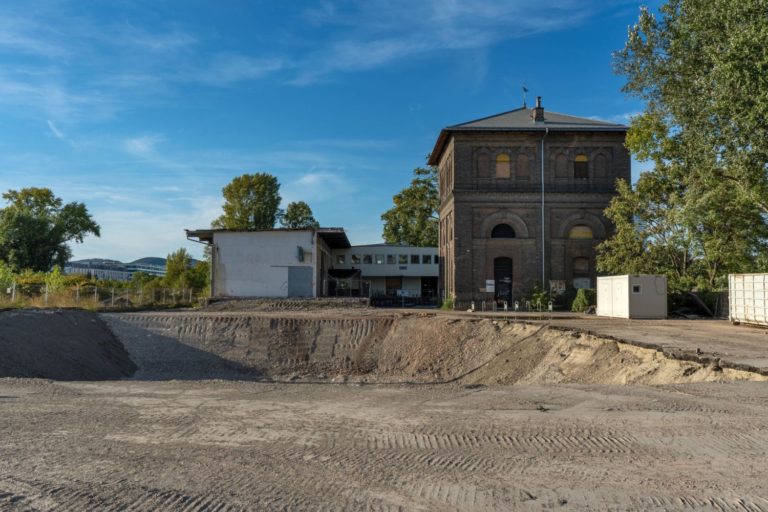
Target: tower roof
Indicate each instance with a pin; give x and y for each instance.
(524, 120)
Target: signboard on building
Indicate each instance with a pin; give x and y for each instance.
(490, 286)
(557, 287)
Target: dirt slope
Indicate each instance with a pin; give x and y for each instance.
(387, 347)
(61, 345)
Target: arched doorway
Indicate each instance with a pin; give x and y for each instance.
(502, 274)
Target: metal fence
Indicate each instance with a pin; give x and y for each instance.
(96, 297)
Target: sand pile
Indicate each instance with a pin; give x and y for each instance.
(60, 345)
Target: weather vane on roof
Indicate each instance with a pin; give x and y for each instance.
(525, 91)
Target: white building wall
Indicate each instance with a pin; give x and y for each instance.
(255, 264)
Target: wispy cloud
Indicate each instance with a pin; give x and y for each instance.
(142, 146)
(378, 32)
(222, 70)
(317, 187)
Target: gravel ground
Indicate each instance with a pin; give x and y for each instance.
(217, 445)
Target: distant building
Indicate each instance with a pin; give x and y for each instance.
(387, 269)
(522, 195)
(116, 270)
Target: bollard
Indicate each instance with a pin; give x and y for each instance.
(506, 306)
(517, 306)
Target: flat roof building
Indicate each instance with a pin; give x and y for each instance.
(270, 263)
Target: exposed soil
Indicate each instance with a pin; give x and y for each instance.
(62, 345)
(227, 446)
(392, 348)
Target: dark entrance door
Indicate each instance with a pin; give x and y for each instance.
(502, 274)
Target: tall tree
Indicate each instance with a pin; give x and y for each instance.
(36, 228)
(251, 201)
(298, 215)
(702, 211)
(413, 219)
(176, 267)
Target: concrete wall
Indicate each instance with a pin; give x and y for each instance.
(256, 264)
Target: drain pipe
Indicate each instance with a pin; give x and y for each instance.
(543, 238)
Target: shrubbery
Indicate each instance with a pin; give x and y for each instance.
(584, 299)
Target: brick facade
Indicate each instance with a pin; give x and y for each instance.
(480, 190)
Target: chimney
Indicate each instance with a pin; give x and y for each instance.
(538, 112)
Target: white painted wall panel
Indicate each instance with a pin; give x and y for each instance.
(632, 296)
(256, 264)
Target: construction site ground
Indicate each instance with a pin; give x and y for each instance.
(361, 409)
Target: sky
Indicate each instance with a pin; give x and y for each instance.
(144, 110)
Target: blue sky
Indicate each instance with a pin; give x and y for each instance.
(144, 110)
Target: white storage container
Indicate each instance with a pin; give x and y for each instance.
(747, 298)
(632, 296)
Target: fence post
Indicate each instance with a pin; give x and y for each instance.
(13, 292)
(112, 303)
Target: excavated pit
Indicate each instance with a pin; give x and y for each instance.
(391, 348)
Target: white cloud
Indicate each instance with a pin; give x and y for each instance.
(376, 33)
(55, 131)
(222, 70)
(142, 146)
(317, 187)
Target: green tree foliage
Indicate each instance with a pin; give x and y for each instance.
(701, 212)
(298, 215)
(36, 227)
(413, 219)
(180, 273)
(251, 201)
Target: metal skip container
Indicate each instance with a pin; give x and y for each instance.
(747, 302)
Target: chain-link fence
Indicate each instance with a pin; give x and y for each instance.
(96, 297)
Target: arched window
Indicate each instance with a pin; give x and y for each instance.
(503, 231)
(581, 232)
(502, 166)
(581, 167)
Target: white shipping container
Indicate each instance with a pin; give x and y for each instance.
(632, 296)
(747, 298)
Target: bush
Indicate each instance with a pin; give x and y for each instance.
(584, 299)
(539, 297)
(447, 304)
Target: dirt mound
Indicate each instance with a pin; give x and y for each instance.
(408, 348)
(286, 304)
(60, 345)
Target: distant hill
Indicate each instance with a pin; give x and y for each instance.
(149, 260)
